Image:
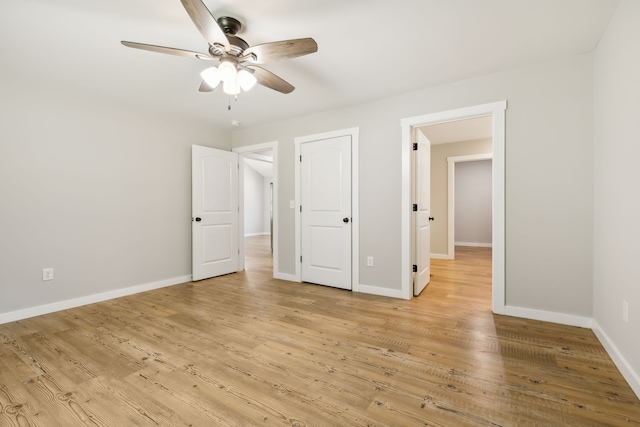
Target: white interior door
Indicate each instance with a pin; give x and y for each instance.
(325, 179)
(422, 226)
(215, 212)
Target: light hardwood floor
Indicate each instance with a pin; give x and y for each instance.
(248, 350)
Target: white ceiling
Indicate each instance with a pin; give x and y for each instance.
(367, 49)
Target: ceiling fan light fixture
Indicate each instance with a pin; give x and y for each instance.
(239, 61)
(211, 76)
(246, 80)
(228, 71)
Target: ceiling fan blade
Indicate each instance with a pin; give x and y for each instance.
(168, 50)
(206, 23)
(204, 87)
(285, 49)
(270, 80)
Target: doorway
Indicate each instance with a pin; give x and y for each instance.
(469, 207)
(259, 172)
(409, 125)
(440, 153)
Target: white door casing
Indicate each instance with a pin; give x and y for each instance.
(326, 220)
(422, 200)
(215, 212)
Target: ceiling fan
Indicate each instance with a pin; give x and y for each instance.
(238, 67)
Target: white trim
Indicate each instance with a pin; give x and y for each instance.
(240, 212)
(474, 244)
(296, 214)
(256, 147)
(497, 111)
(383, 292)
(439, 256)
(261, 147)
(355, 210)
(355, 197)
(621, 363)
(451, 197)
(264, 233)
(548, 316)
(89, 299)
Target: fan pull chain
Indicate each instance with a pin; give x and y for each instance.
(235, 98)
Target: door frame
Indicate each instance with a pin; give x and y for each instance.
(355, 219)
(251, 149)
(451, 193)
(498, 111)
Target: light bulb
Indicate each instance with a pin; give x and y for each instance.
(227, 70)
(246, 80)
(231, 87)
(211, 77)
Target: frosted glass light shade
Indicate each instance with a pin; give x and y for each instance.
(211, 76)
(227, 71)
(246, 80)
(231, 87)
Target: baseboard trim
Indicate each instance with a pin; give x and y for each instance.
(89, 299)
(264, 233)
(621, 363)
(549, 316)
(439, 256)
(384, 292)
(473, 244)
(286, 276)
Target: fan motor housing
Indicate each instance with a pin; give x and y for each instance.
(231, 27)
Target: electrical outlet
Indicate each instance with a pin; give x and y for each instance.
(369, 261)
(47, 274)
(625, 311)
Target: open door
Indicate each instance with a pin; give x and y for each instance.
(422, 214)
(214, 213)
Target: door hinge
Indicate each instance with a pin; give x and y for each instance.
(415, 146)
(415, 207)
(300, 208)
(300, 258)
(415, 268)
(300, 157)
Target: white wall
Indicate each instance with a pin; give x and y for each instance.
(616, 265)
(548, 123)
(473, 203)
(254, 202)
(98, 191)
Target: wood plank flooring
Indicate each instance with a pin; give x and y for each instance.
(248, 350)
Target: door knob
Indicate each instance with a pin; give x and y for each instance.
(345, 220)
(198, 219)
